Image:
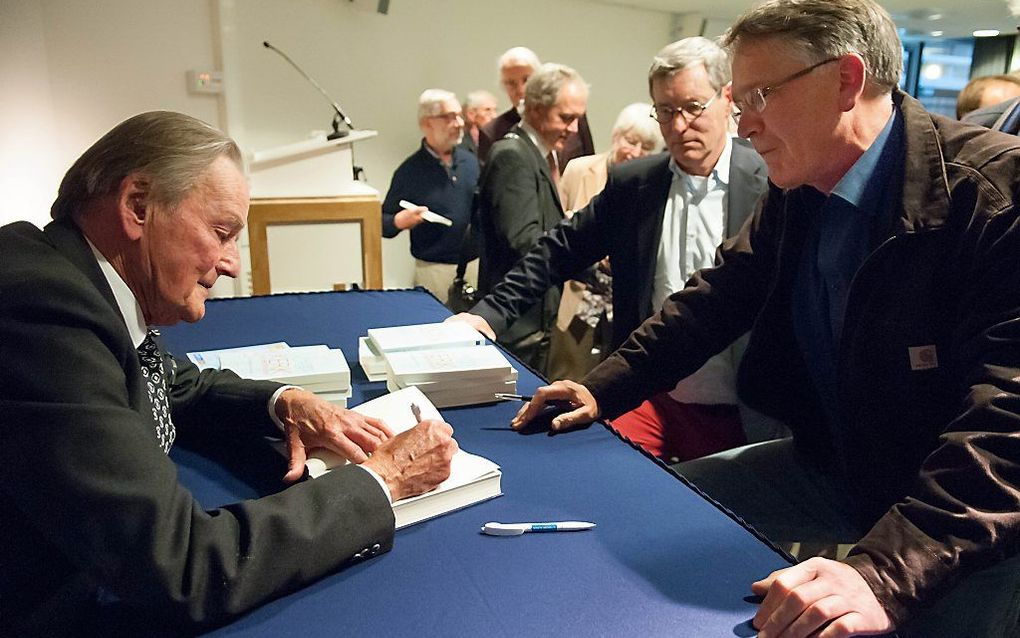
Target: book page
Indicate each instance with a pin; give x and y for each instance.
(394, 409)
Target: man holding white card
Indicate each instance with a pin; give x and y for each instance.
(431, 194)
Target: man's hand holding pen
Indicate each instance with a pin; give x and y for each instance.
(415, 461)
(581, 407)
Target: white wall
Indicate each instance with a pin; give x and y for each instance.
(69, 71)
(376, 65)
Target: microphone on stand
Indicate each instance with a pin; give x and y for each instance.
(337, 133)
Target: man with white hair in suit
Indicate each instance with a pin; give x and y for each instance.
(518, 200)
(515, 67)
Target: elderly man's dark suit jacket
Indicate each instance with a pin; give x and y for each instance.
(624, 222)
(577, 145)
(91, 507)
(517, 203)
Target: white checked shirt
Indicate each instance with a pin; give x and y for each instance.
(693, 226)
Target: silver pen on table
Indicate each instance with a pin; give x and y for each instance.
(559, 404)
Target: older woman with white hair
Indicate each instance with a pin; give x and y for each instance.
(575, 342)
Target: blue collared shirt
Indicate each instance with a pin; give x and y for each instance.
(838, 243)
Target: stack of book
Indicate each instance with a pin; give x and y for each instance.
(449, 362)
(451, 377)
(320, 369)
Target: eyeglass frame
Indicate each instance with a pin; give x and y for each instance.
(762, 92)
(682, 110)
(449, 116)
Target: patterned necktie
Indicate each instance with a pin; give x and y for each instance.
(151, 360)
(554, 168)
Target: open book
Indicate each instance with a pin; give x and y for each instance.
(472, 478)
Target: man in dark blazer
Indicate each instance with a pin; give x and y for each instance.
(515, 66)
(626, 223)
(96, 525)
(518, 200)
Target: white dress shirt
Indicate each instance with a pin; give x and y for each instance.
(693, 226)
(537, 141)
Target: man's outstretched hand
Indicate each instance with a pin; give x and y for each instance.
(583, 407)
(818, 598)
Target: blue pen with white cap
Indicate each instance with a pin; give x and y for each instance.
(516, 529)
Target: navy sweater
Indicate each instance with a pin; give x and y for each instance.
(422, 179)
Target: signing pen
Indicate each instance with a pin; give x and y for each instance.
(416, 411)
(516, 529)
(561, 404)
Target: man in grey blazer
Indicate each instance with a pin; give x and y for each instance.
(95, 523)
(659, 219)
(518, 199)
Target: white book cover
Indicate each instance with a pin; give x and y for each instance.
(469, 395)
(444, 365)
(471, 384)
(373, 363)
(472, 478)
(336, 398)
(319, 367)
(424, 336)
(211, 358)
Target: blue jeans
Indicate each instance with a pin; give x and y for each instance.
(771, 489)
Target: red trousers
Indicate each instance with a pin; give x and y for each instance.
(675, 431)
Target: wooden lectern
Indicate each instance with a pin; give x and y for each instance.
(309, 219)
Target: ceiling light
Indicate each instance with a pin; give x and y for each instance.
(935, 16)
(986, 33)
(936, 34)
(931, 71)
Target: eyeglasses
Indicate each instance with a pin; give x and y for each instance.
(448, 117)
(754, 100)
(690, 111)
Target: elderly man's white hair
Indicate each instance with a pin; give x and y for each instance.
(518, 56)
(475, 98)
(544, 85)
(431, 102)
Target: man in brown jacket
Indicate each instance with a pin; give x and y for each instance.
(879, 278)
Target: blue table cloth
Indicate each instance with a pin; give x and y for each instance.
(663, 561)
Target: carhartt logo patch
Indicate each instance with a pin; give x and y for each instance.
(923, 357)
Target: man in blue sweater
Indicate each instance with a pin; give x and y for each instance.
(439, 177)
